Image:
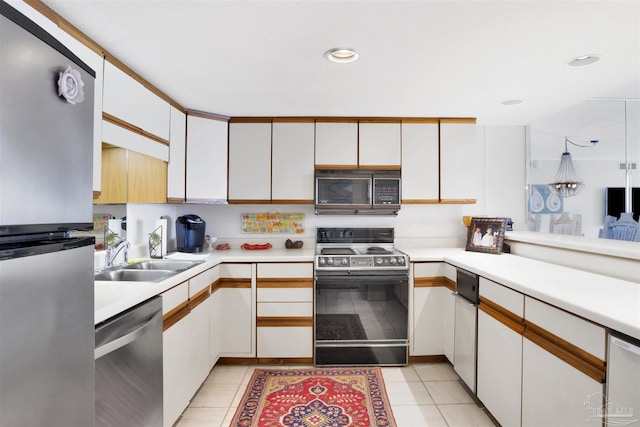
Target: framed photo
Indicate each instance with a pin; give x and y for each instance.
(486, 235)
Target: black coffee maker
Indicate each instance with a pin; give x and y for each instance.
(190, 233)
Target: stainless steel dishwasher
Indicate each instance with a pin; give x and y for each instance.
(466, 327)
(128, 358)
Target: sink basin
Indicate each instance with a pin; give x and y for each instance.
(126, 275)
(162, 264)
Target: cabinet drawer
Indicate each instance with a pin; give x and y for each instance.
(579, 332)
(235, 271)
(285, 309)
(284, 270)
(199, 282)
(282, 342)
(429, 269)
(174, 297)
(506, 298)
(285, 294)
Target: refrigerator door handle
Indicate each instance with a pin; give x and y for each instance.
(120, 342)
(626, 345)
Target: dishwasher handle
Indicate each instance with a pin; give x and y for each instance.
(120, 342)
(626, 345)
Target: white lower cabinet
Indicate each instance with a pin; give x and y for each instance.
(499, 375)
(563, 368)
(432, 309)
(464, 354)
(216, 322)
(175, 354)
(237, 310)
(285, 310)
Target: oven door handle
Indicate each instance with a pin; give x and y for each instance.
(365, 280)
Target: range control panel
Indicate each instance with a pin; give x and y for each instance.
(362, 261)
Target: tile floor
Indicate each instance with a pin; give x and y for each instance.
(421, 395)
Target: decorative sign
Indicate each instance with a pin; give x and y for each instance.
(273, 223)
(543, 201)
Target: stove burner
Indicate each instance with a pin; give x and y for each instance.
(337, 251)
(377, 250)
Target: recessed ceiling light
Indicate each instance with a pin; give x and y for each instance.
(512, 102)
(583, 60)
(342, 55)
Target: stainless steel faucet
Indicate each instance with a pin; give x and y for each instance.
(115, 249)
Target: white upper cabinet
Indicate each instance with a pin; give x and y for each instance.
(128, 100)
(176, 173)
(206, 174)
(379, 145)
(337, 144)
(249, 162)
(292, 162)
(420, 178)
(460, 161)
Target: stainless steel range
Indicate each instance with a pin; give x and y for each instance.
(361, 292)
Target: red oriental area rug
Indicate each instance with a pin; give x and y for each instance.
(315, 397)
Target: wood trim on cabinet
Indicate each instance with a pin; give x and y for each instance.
(235, 283)
(336, 167)
(583, 361)
(293, 120)
(459, 120)
(436, 281)
(132, 128)
(174, 316)
(175, 200)
(336, 120)
(249, 201)
(458, 201)
(199, 298)
(292, 202)
(96, 194)
(205, 115)
(302, 282)
(380, 167)
(250, 119)
(420, 120)
(282, 321)
(215, 285)
(420, 201)
(502, 315)
(379, 120)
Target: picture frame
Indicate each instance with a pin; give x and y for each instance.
(486, 235)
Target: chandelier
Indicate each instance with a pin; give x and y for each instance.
(566, 182)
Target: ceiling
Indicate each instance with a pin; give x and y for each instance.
(417, 58)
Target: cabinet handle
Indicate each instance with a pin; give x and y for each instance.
(120, 342)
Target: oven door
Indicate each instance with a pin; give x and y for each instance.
(361, 319)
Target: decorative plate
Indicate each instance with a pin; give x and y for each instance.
(70, 86)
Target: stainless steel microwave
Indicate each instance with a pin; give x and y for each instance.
(344, 192)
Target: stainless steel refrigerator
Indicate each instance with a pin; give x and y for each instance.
(46, 274)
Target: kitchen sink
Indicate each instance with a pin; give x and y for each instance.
(127, 275)
(163, 264)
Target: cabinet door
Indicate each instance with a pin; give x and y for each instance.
(206, 177)
(499, 370)
(128, 100)
(236, 338)
(215, 318)
(198, 366)
(554, 392)
(177, 155)
(420, 177)
(292, 162)
(146, 179)
(337, 144)
(430, 311)
(249, 162)
(114, 176)
(460, 160)
(379, 145)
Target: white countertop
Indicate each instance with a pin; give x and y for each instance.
(610, 302)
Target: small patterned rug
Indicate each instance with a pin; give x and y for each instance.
(315, 397)
(339, 327)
